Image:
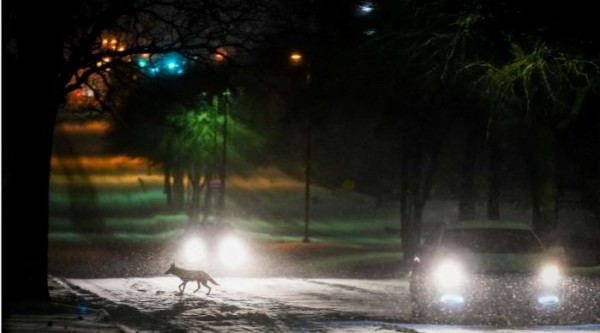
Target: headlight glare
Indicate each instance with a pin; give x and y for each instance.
(449, 274)
(550, 275)
(232, 251)
(193, 250)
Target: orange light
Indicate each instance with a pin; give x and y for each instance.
(88, 127)
(104, 41)
(106, 59)
(296, 58)
(220, 54)
(119, 162)
(121, 48)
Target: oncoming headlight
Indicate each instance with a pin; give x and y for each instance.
(449, 274)
(193, 250)
(232, 251)
(550, 275)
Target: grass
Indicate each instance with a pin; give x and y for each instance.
(102, 198)
(268, 207)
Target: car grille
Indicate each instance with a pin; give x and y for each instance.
(501, 289)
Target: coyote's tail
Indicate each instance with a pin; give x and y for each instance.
(213, 281)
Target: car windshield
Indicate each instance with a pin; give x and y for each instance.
(491, 241)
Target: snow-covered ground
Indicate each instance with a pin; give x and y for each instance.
(268, 305)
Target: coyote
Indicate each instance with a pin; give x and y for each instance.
(187, 275)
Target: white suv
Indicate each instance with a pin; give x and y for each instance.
(485, 270)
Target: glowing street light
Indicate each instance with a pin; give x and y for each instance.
(366, 8)
(220, 55)
(296, 58)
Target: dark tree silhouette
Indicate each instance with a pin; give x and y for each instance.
(52, 49)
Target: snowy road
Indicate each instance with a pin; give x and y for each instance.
(269, 304)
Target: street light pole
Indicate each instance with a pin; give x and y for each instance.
(223, 176)
(296, 59)
(220, 57)
(307, 185)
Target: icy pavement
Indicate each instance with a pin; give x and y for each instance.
(268, 305)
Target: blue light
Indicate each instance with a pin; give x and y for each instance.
(83, 309)
(452, 299)
(366, 8)
(142, 63)
(548, 300)
(172, 63)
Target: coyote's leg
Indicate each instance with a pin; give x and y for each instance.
(198, 281)
(182, 284)
(209, 288)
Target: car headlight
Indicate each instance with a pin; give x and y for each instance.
(232, 251)
(193, 250)
(449, 274)
(550, 275)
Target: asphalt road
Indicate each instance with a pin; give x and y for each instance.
(280, 305)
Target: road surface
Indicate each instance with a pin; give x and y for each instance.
(271, 305)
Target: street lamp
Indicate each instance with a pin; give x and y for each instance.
(220, 57)
(297, 59)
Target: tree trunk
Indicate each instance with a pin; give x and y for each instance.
(28, 111)
(466, 203)
(544, 188)
(596, 198)
(167, 184)
(416, 174)
(494, 169)
(596, 191)
(178, 188)
(417, 226)
(194, 179)
(197, 188)
(416, 177)
(208, 197)
(405, 208)
(223, 168)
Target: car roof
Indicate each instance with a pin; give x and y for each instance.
(489, 225)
